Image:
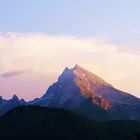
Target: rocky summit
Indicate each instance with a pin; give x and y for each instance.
(82, 91)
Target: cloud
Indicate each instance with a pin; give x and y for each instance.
(49, 54)
(15, 73)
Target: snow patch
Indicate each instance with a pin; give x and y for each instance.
(83, 75)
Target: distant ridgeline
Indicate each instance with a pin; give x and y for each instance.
(81, 91)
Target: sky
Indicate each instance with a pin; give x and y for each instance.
(39, 38)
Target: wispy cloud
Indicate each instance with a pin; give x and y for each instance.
(15, 73)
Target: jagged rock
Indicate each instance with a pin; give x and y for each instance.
(77, 85)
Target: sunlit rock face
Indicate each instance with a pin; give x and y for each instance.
(91, 86)
(101, 102)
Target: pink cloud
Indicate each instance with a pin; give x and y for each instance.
(15, 73)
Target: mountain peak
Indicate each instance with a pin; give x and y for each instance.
(88, 82)
(77, 67)
(81, 72)
(15, 97)
(78, 84)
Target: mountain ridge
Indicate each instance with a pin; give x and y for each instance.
(7, 105)
(81, 91)
(77, 85)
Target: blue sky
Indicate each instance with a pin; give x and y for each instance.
(117, 20)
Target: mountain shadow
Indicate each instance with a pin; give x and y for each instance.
(33, 122)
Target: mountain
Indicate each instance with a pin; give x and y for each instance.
(34, 122)
(6, 105)
(82, 91)
(1, 100)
